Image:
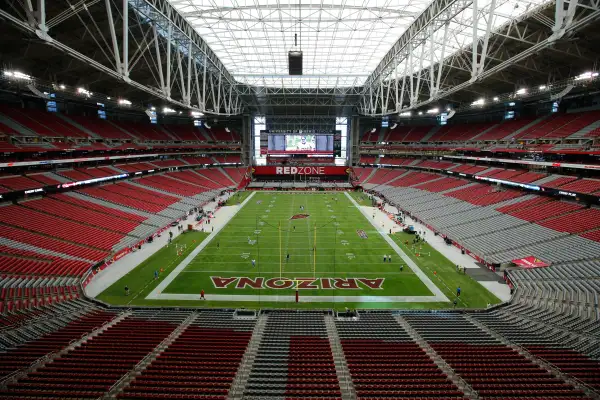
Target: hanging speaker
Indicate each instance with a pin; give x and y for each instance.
(295, 62)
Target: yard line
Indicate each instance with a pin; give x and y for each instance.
(411, 264)
(291, 273)
(171, 277)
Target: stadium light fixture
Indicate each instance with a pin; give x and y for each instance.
(83, 91)
(586, 75)
(153, 108)
(420, 112)
(407, 114)
(196, 114)
(124, 102)
(448, 108)
(496, 98)
(543, 87)
(478, 102)
(17, 75)
(107, 97)
(168, 110)
(62, 87)
(521, 91)
(433, 111)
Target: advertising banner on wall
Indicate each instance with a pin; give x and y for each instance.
(530, 262)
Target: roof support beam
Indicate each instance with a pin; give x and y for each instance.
(483, 56)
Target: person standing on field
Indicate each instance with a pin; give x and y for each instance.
(202, 295)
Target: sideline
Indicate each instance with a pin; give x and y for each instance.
(438, 294)
(302, 298)
(156, 293)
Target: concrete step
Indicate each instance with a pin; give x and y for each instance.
(431, 132)
(483, 132)
(131, 135)
(580, 134)
(20, 129)
(24, 246)
(80, 127)
(515, 133)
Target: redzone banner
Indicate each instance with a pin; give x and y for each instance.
(301, 170)
(530, 262)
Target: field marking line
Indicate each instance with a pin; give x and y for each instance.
(302, 298)
(171, 277)
(294, 272)
(411, 264)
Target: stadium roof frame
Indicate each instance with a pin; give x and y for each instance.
(181, 67)
(415, 72)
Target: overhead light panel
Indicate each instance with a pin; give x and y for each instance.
(168, 110)
(521, 91)
(124, 102)
(433, 111)
(83, 91)
(542, 87)
(17, 75)
(406, 114)
(478, 102)
(586, 75)
(496, 98)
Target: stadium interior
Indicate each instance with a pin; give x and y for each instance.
(195, 197)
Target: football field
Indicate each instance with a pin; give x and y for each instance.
(307, 250)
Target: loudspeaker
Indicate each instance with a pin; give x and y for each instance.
(295, 62)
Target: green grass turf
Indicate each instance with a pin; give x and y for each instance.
(443, 273)
(238, 198)
(340, 253)
(141, 281)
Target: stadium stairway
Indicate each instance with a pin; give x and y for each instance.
(483, 132)
(16, 127)
(490, 365)
(151, 357)
(385, 362)
(294, 360)
(29, 247)
(430, 133)
(341, 366)
(125, 131)
(524, 128)
(556, 372)
(227, 176)
(583, 132)
(79, 126)
(460, 383)
(199, 363)
(241, 377)
(10, 385)
(183, 204)
(366, 180)
(151, 219)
